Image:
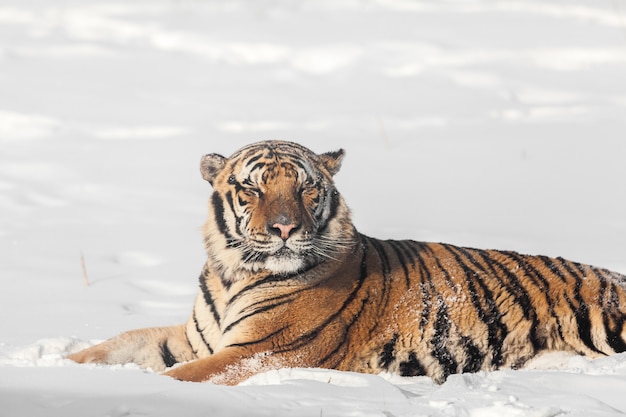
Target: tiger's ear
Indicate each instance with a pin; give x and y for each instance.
(332, 160)
(211, 165)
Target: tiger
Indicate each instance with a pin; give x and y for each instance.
(289, 282)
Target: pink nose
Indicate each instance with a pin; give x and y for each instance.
(285, 229)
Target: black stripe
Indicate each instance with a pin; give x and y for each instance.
(253, 159)
(542, 283)
(166, 354)
(260, 165)
(581, 310)
(384, 260)
(549, 263)
(218, 214)
(290, 296)
(301, 341)
(612, 318)
(426, 285)
(445, 272)
(407, 248)
(610, 275)
(231, 204)
(613, 298)
(297, 161)
(343, 339)
(241, 201)
(267, 280)
(584, 329)
(412, 366)
(395, 245)
(440, 340)
(334, 206)
(193, 349)
(238, 187)
(413, 248)
(474, 358)
(614, 326)
(291, 155)
(208, 299)
(261, 340)
(582, 274)
(386, 270)
(387, 356)
(253, 313)
(200, 332)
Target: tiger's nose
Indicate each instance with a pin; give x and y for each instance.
(283, 227)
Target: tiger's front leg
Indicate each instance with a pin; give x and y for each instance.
(231, 366)
(156, 348)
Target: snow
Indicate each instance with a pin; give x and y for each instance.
(494, 124)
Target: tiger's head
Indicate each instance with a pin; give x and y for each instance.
(274, 207)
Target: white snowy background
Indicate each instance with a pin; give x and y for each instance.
(485, 123)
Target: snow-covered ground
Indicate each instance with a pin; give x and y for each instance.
(486, 123)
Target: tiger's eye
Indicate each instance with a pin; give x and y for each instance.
(312, 182)
(232, 179)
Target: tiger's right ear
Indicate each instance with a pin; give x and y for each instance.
(211, 165)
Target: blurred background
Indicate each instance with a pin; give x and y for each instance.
(497, 124)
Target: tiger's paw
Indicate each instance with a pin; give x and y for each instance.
(188, 372)
(94, 354)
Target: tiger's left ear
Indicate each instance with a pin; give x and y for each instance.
(332, 160)
(211, 165)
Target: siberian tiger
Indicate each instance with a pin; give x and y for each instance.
(290, 282)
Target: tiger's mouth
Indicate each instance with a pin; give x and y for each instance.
(287, 251)
(281, 256)
(269, 245)
(285, 261)
(284, 252)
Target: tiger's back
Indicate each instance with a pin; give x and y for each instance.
(289, 282)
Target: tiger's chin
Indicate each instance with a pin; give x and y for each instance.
(285, 262)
